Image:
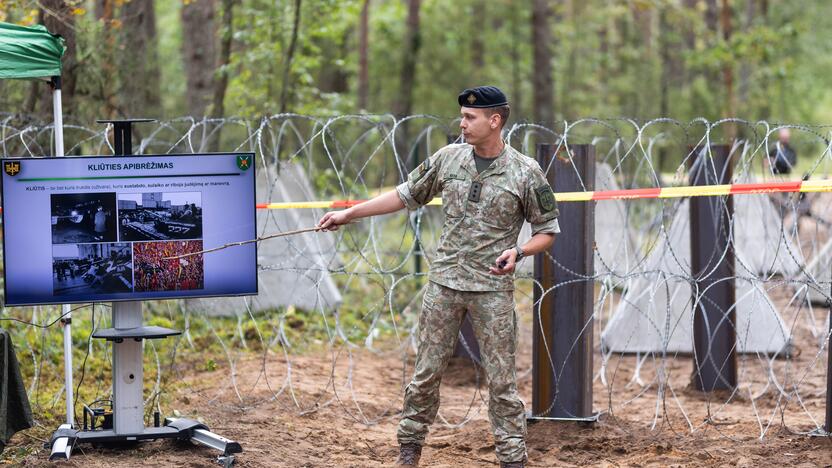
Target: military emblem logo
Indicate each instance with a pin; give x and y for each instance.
(244, 162)
(12, 168)
(545, 198)
(471, 98)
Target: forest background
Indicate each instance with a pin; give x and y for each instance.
(556, 59)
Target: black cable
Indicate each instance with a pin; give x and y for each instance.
(89, 338)
(84, 363)
(12, 319)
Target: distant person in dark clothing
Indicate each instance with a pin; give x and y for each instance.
(782, 156)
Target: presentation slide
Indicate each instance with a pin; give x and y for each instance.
(93, 229)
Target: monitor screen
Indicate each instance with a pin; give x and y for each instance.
(89, 229)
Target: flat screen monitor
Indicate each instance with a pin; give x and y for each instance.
(91, 229)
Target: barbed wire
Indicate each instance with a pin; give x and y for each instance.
(356, 293)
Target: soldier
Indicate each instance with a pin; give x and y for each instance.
(488, 189)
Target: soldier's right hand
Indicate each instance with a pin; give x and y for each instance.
(333, 220)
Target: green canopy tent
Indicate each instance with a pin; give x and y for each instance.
(34, 53)
(29, 52)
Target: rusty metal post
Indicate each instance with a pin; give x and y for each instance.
(563, 324)
(713, 270)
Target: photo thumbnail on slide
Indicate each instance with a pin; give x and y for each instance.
(92, 269)
(155, 271)
(160, 216)
(79, 218)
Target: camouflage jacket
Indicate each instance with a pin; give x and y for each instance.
(483, 212)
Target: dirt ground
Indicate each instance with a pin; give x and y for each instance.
(314, 423)
(340, 409)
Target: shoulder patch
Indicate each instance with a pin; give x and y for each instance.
(545, 198)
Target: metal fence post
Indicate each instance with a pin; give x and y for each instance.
(713, 269)
(563, 324)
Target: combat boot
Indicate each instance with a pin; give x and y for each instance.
(409, 455)
(517, 464)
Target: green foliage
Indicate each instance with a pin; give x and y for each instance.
(638, 59)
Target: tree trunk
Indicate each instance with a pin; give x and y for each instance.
(106, 81)
(604, 57)
(712, 73)
(711, 15)
(643, 18)
(625, 62)
(404, 100)
(332, 77)
(516, 98)
(728, 70)
(100, 8)
(363, 57)
(477, 45)
(58, 19)
(30, 104)
(287, 67)
(276, 42)
(570, 83)
(689, 35)
(139, 66)
(690, 31)
(664, 82)
(198, 53)
(221, 76)
(403, 103)
(765, 108)
(664, 52)
(543, 79)
(745, 68)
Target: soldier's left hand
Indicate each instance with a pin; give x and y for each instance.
(504, 263)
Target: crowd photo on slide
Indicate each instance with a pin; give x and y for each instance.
(156, 271)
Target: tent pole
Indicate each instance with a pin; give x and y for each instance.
(66, 311)
(57, 115)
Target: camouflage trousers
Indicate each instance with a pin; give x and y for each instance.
(494, 321)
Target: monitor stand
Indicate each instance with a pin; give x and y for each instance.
(124, 423)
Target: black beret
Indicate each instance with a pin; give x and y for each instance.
(482, 96)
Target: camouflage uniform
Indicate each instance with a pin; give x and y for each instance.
(483, 216)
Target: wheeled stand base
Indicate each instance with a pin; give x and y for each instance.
(65, 438)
